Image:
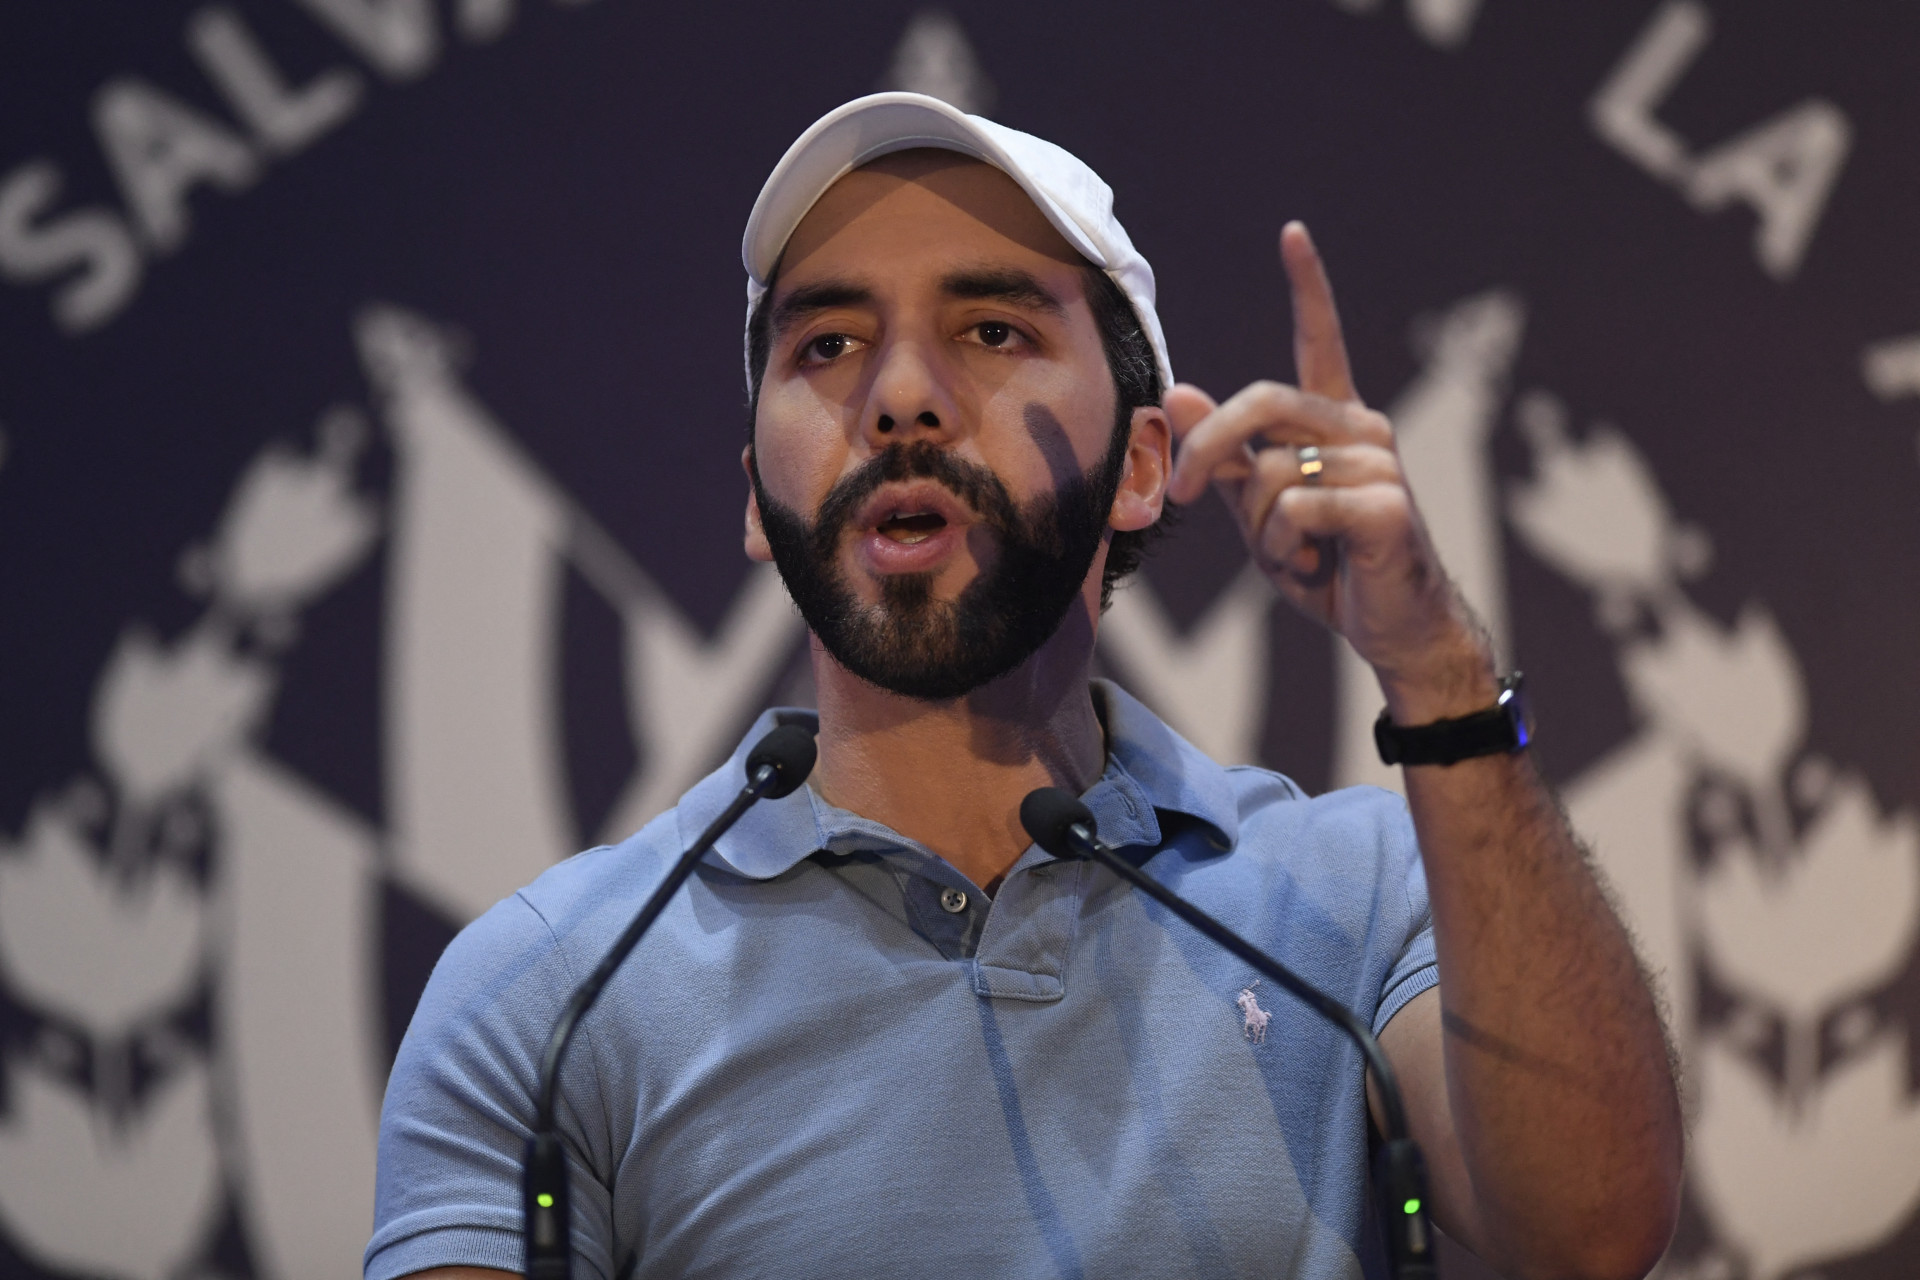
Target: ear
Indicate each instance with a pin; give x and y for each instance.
(756, 537)
(1143, 485)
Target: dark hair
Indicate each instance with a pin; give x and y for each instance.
(1136, 383)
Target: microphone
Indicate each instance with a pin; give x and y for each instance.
(776, 766)
(1061, 823)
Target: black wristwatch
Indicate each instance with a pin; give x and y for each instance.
(1499, 729)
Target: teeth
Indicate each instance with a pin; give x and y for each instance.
(910, 526)
(900, 533)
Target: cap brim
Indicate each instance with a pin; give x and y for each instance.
(862, 131)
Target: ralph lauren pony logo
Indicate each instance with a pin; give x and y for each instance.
(1254, 1026)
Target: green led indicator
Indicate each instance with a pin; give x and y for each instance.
(1413, 1207)
(545, 1201)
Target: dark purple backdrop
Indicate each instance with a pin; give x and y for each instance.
(569, 196)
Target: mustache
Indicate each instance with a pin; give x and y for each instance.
(970, 482)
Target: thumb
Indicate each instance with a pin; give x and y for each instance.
(1186, 405)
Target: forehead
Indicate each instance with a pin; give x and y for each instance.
(926, 205)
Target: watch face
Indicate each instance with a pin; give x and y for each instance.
(1513, 700)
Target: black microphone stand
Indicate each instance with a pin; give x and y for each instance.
(777, 765)
(1062, 825)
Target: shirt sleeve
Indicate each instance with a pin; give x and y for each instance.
(459, 1108)
(1416, 968)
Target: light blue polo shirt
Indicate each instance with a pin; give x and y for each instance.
(835, 1056)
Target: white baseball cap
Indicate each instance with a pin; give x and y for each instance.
(1067, 191)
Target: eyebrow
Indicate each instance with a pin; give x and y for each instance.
(1002, 284)
(811, 299)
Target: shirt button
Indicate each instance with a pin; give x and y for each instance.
(952, 901)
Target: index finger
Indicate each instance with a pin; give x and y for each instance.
(1319, 348)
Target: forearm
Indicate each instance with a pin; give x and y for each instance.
(1556, 1066)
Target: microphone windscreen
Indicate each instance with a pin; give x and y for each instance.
(1049, 813)
(790, 750)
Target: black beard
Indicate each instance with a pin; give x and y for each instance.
(911, 644)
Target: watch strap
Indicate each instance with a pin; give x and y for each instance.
(1496, 730)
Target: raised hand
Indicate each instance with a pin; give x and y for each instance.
(1313, 478)
(1533, 961)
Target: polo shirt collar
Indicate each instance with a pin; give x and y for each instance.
(1167, 771)
(1149, 768)
(772, 836)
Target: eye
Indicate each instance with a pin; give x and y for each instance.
(827, 347)
(995, 333)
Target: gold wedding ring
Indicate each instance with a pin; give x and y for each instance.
(1311, 464)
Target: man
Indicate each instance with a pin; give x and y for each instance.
(880, 1034)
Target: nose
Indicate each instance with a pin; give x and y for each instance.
(908, 399)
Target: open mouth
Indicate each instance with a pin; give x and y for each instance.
(909, 527)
